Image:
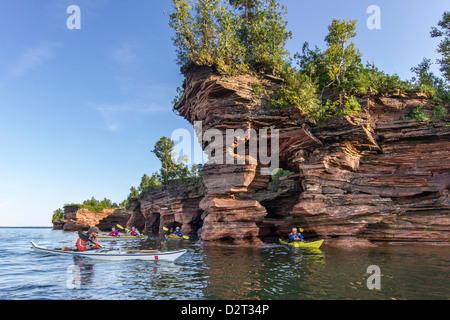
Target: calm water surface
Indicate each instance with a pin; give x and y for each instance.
(274, 272)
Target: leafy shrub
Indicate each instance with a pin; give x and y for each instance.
(439, 112)
(418, 114)
(58, 215)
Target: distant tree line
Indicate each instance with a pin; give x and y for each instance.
(250, 36)
(173, 168)
(92, 205)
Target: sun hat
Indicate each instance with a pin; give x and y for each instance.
(93, 229)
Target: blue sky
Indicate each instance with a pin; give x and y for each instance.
(80, 110)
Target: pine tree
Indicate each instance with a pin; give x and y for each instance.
(341, 53)
(182, 23)
(270, 36)
(231, 53)
(444, 46)
(206, 31)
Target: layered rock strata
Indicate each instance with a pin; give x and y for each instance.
(175, 205)
(372, 175)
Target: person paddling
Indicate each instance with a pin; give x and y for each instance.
(114, 232)
(177, 232)
(295, 235)
(134, 232)
(88, 241)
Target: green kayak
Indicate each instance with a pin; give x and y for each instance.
(299, 244)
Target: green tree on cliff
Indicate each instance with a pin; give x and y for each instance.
(58, 215)
(184, 40)
(342, 59)
(270, 35)
(205, 29)
(171, 167)
(163, 150)
(234, 36)
(231, 52)
(444, 47)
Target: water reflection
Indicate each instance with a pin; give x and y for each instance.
(213, 272)
(257, 273)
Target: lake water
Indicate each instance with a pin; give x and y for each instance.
(274, 272)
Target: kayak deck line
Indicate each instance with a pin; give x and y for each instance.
(116, 255)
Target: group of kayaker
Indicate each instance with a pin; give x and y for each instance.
(89, 241)
(134, 232)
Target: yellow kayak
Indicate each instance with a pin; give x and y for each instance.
(299, 244)
(174, 237)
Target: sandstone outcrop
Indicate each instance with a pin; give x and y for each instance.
(175, 205)
(82, 219)
(372, 176)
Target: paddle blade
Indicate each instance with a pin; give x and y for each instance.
(185, 237)
(120, 227)
(165, 229)
(83, 236)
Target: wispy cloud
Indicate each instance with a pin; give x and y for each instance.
(114, 115)
(32, 58)
(125, 54)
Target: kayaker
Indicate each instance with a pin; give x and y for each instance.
(88, 241)
(177, 232)
(114, 232)
(134, 232)
(295, 235)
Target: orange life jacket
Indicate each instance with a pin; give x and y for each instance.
(81, 244)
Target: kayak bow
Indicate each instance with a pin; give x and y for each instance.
(299, 244)
(116, 255)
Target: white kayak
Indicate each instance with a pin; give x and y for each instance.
(116, 255)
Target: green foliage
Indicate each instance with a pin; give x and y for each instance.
(231, 52)
(72, 206)
(341, 55)
(444, 47)
(297, 90)
(249, 36)
(426, 82)
(184, 40)
(92, 205)
(418, 114)
(383, 83)
(439, 112)
(233, 36)
(58, 215)
(274, 184)
(351, 106)
(163, 150)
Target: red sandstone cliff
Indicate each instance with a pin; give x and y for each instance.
(371, 176)
(368, 176)
(82, 219)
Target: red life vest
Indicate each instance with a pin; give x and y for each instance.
(114, 233)
(134, 233)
